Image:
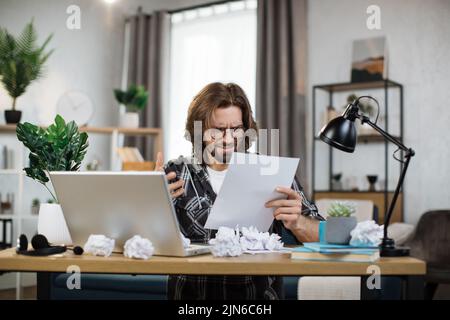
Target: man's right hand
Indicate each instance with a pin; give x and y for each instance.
(176, 188)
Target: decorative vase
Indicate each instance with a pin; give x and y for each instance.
(129, 120)
(336, 184)
(35, 209)
(52, 225)
(338, 229)
(372, 180)
(12, 116)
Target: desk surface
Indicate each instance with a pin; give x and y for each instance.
(260, 264)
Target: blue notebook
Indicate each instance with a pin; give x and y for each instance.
(302, 253)
(337, 248)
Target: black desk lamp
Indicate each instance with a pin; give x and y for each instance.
(341, 134)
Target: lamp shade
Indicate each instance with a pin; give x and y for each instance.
(340, 133)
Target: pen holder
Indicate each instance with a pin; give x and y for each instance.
(322, 231)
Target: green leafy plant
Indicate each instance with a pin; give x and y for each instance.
(134, 99)
(60, 147)
(21, 60)
(341, 209)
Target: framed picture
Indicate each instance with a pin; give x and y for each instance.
(369, 62)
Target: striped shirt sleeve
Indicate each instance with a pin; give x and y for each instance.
(308, 208)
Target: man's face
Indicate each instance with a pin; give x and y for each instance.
(226, 133)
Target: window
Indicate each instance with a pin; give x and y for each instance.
(215, 43)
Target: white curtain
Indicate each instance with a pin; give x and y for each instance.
(216, 43)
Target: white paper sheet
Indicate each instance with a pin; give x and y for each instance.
(250, 182)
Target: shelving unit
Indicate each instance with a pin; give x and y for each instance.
(382, 197)
(21, 212)
(116, 134)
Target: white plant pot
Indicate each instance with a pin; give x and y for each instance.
(52, 225)
(129, 120)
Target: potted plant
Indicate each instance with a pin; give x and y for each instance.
(134, 99)
(340, 222)
(21, 63)
(60, 147)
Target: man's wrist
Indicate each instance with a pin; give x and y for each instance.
(306, 229)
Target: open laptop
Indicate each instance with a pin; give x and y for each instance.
(120, 205)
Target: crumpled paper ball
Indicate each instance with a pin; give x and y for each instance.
(229, 242)
(273, 242)
(226, 243)
(99, 245)
(366, 234)
(138, 248)
(186, 241)
(253, 240)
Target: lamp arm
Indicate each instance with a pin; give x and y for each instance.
(408, 154)
(387, 218)
(386, 135)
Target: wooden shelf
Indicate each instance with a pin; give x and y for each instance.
(101, 130)
(17, 216)
(155, 133)
(349, 86)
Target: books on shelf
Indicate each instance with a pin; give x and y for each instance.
(6, 157)
(130, 154)
(316, 251)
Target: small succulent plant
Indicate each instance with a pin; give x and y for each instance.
(341, 209)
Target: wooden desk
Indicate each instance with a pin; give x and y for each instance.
(411, 269)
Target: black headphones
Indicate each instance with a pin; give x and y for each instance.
(42, 247)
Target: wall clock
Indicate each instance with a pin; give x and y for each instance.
(76, 106)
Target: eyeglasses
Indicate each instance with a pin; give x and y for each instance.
(235, 131)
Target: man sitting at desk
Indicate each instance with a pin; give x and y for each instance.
(225, 110)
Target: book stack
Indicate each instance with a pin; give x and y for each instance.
(316, 251)
(132, 160)
(130, 154)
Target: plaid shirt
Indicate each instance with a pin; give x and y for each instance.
(192, 209)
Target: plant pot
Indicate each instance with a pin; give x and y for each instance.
(35, 209)
(52, 225)
(372, 180)
(12, 116)
(338, 229)
(129, 120)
